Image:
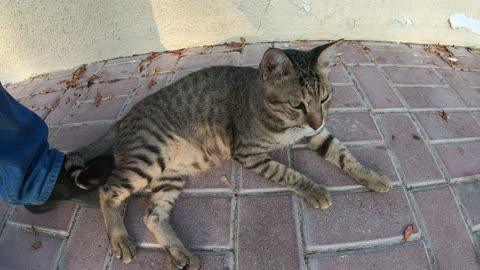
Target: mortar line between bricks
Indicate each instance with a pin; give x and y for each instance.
(233, 203)
(360, 90)
(421, 85)
(459, 97)
(6, 216)
(236, 229)
(388, 241)
(465, 179)
(43, 230)
(467, 222)
(297, 219)
(422, 227)
(454, 140)
(347, 110)
(64, 245)
(94, 122)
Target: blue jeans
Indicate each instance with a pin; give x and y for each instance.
(28, 167)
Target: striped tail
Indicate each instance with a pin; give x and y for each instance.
(75, 161)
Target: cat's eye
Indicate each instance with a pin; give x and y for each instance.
(295, 104)
(325, 98)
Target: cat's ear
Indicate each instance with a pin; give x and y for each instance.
(275, 66)
(324, 53)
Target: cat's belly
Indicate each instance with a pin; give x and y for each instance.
(190, 158)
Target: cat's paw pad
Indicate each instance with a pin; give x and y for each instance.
(317, 197)
(181, 259)
(381, 184)
(123, 247)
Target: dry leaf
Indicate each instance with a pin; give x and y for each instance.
(48, 90)
(139, 66)
(110, 96)
(153, 72)
(234, 44)
(92, 79)
(432, 62)
(79, 72)
(130, 75)
(151, 83)
(408, 232)
(444, 116)
(71, 84)
(98, 99)
(31, 229)
(225, 181)
(243, 40)
(176, 52)
(37, 244)
(366, 49)
(150, 57)
(415, 137)
(339, 54)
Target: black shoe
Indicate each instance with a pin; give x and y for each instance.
(66, 190)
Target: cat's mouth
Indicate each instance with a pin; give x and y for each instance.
(309, 132)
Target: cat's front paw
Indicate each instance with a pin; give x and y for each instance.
(123, 247)
(317, 197)
(182, 259)
(379, 184)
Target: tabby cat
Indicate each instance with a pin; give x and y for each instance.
(212, 115)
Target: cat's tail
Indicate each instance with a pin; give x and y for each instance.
(75, 161)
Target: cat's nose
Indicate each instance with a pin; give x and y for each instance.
(315, 120)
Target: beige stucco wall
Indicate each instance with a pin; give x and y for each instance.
(42, 36)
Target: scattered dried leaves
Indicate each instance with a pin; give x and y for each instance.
(91, 80)
(431, 62)
(79, 72)
(153, 72)
(444, 115)
(177, 52)
(444, 53)
(225, 181)
(366, 49)
(139, 66)
(37, 244)
(151, 83)
(239, 45)
(98, 99)
(71, 84)
(408, 232)
(110, 96)
(48, 90)
(151, 56)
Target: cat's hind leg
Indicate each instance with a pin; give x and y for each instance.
(165, 191)
(335, 152)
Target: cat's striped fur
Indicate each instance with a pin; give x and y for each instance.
(212, 115)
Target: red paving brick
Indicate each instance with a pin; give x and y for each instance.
(459, 125)
(412, 75)
(253, 230)
(460, 159)
(16, 251)
(267, 231)
(59, 218)
(211, 216)
(346, 96)
(88, 244)
(376, 87)
(412, 153)
(427, 97)
(357, 126)
(450, 242)
(375, 215)
(73, 137)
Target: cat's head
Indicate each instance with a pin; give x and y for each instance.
(296, 83)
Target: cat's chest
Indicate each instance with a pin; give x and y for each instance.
(288, 137)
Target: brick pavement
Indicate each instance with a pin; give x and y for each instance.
(386, 109)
